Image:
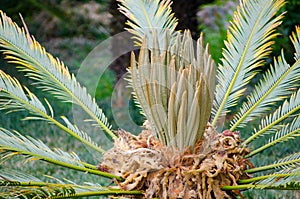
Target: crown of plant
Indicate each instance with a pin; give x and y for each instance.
(184, 151)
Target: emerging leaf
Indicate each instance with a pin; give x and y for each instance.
(175, 89)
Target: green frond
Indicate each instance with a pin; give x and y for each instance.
(175, 89)
(286, 179)
(248, 42)
(146, 16)
(10, 175)
(15, 178)
(81, 135)
(277, 83)
(49, 73)
(288, 186)
(290, 161)
(15, 143)
(281, 178)
(111, 192)
(17, 184)
(286, 133)
(13, 98)
(60, 192)
(287, 109)
(36, 192)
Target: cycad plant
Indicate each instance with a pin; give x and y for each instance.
(184, 151)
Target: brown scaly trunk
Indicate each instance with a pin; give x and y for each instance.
(167, 173)
(185, 11)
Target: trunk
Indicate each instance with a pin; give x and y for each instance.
(166, 173)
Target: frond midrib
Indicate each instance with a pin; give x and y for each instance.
(272, 166)
(98, 193)
(63, 164)
(46, 185)
(263, 97)
(58, 124)
(256, 151)
(252, 137)
(256, 186)
(236, 73)
(259, 178)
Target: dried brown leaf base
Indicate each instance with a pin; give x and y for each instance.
(164, 172)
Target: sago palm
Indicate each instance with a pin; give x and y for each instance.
(184, 151)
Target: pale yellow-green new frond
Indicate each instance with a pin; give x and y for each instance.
(146, 16)
(13, 98)
(248, 42)
(175, 89)
(48, 72)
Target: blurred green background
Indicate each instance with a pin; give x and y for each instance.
(70, 29)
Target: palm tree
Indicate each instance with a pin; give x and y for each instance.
(184, 151)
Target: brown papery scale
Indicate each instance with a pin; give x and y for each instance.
(164, 172)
